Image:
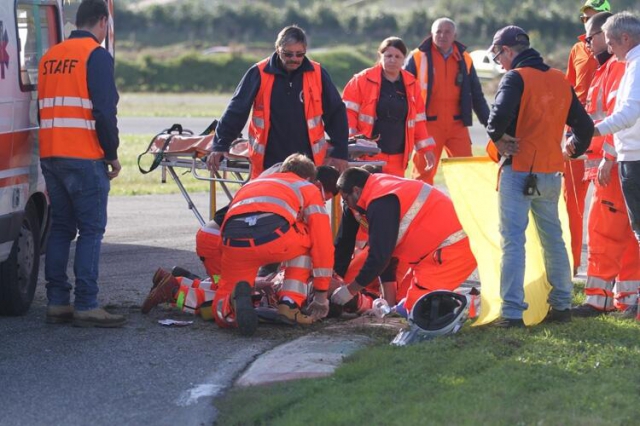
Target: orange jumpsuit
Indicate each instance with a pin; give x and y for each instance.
(430, 237)
(303, 243)
(580, 70)
(613, 250)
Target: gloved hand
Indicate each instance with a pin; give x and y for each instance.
(341, 296)
(318, 309)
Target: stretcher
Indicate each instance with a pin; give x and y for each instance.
(176, 148)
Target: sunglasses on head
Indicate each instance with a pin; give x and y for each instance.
(293, 54)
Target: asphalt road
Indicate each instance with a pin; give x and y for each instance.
(144, 373)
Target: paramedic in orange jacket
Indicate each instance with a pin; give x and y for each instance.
(293, 103)
(580, 70)
(613, 250)
(77, 100)
(385, 102)
(279, 218)
(451, 90)
(410, 221)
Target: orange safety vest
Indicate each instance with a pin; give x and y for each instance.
(427, 217)
(361, 95)
(298, 201)
(261, 116)
(544, 107)
(601, 100)
(67, 125)
(422, 68)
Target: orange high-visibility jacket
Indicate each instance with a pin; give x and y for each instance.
(544, 108)
(67, 126)
(600, 103)
(361, 95)
(427, 216)
(260, 119)
(580, 68)
(298, 201)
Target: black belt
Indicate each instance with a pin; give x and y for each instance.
(435, 117)
(252, 242)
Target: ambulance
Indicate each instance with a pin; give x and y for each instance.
(28, 28)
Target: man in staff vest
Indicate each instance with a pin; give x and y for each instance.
(451, 90)
(77, 101)
(293, 103)
(533, 104)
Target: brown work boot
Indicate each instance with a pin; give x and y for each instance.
(159, 276)
(242, 303)
(59, 314)
(163, 292)
(291, 314)
(98, 317)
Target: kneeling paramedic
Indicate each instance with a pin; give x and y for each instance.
(410, 221)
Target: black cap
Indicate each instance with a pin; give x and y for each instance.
(510, 36)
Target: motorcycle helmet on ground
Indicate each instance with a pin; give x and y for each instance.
(434, 314)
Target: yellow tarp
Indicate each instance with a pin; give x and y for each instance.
(472, 187)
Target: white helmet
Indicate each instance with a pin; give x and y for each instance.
(434, 314)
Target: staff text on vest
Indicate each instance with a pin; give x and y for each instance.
(55, 66)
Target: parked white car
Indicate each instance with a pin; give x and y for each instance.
(484, 65)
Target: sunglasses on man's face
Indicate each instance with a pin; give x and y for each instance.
(293, 54)
(584, 18)
(589, 39)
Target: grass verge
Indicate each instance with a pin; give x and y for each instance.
(583, 373)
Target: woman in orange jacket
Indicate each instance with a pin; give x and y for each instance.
(384, 103)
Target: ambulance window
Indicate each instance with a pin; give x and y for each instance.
(37, 32)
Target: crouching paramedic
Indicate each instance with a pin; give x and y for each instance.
(408, 220)
(279, 218)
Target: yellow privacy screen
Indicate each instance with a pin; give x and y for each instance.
(471, 183)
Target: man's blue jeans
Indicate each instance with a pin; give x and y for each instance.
(514, 218)
(78, 190)
(630, 183)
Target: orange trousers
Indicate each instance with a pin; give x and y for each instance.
(242, 264)
(612, 247)
(575, 192)
(451, 135)
(443, 269)
(394, 166)
(209, 249)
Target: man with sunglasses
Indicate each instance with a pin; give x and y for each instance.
(580, 70)
(532, 105)
(294, 103)
(613, 251)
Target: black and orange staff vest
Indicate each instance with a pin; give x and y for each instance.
(427, 216)
(67, 125)
(544, 108)
(261, 115)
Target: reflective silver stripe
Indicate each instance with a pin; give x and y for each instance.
(319, 146)
(271, 200)
(413, 212)
(299, 262)
(598, 115)
(314, 210)
(629, 286)
(256, 146)
(612, 96)
(75, 123)
(411, 123)
(424, 143)
(191, 300)
(294, 286)
(599, 301)
(212, 231)
(258, 122)
(361, 244)
(591, 163)
(352, 105)
(221, 314)
(609, 149)
(352, 131)
(369, 119)
(421, 117)
(68, 101)
(314, 121)
(294, 186)
(423, 71)
(322, 272)
(453, 238)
